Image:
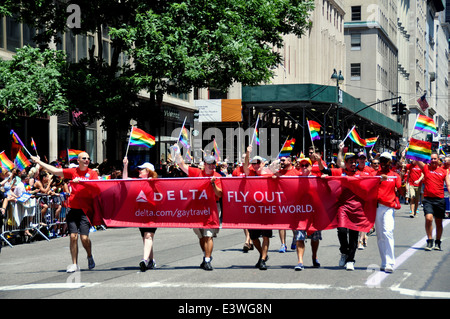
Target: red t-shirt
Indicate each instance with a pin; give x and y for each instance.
(386, 191)
(291, 172)
(197, 172)
(434, 181)
(72, 173)
(315, 168)
(365, 171)
(414, 173)
(239, 171)
(265, 172)
(343, 172)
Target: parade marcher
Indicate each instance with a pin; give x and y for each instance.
(301, 235)
(257, 164)
(433, 199)
(146, 171)
(77, 221)
(387, 203)
(286, 169)
(349, 202)
(239, 171)
(205, 235)
(315, 159)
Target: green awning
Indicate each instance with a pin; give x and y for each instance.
(314, 93)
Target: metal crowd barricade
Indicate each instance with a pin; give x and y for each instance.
(29, 215)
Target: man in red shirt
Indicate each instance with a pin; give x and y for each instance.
(76, 219)
(387, 203)
(287, 169)
(257, 164)
(350, 204)
(315, 159)
(205, 235)
(433, 199)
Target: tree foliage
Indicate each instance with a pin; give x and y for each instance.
(174, 45)
(32, 83)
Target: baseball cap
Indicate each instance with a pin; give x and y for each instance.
(386, 155)
(361, 154)
(348, 156)
(209, 159)
(148, 166)
(256, 159)
(305, 159)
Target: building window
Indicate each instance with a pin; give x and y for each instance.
(356, 41)
(356, 13)
(12, 34)
(355, 71)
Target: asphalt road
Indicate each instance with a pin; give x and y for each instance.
(37, 270)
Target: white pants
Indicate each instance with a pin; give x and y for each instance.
(384, 227)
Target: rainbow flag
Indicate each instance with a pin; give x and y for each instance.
(354, 136)
(184, 137)
(33, 144)
(314, 130)
(419, 150)
(371, 141)
(6, 162)
(21, 161)
(287, 148)
(426, 124)
(216, 151)
(140, 138)
(256, 136)
(72, 154)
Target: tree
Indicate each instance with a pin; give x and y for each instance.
(32, 83)
(174, 46)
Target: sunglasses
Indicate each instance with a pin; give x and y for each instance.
(304, 165)
(85, 158)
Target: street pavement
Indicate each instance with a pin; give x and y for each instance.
(37, 270)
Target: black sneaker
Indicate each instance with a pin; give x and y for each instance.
(262, 265)
(206, 265)
(429, 245)
(437, 245)
(143, 265)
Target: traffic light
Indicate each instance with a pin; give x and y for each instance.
(402, 108)
(196, 115)
(394, 108)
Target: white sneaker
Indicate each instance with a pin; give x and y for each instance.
(350, 266)
(342, 260)
(72, 268)
(389, 269)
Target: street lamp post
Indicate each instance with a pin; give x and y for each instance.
(339, 78)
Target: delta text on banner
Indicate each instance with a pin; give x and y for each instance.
(183, 202)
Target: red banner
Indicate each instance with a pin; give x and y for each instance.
(180, 202)
(307, 203)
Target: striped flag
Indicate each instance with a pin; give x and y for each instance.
(354, 136)
(287, 148)
(426, 124)
(21, 161)
(314, 130)
(371, 141)
(72, 154)
(5, 161)
(423, 102)
(216, 151)
(419, 150)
